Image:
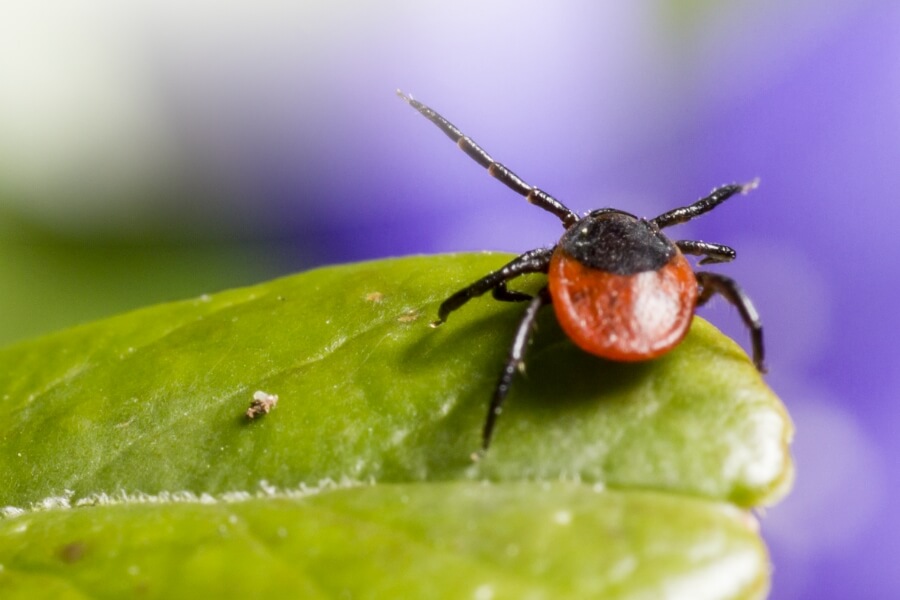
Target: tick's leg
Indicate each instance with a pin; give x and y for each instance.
(534, 261)
(514, 363)
(713, 283)
(504, 294)
(715, 198)
(712, 253)
(534, 195)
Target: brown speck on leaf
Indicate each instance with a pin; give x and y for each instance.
(375, 297)
(262, 404)
(409, 316)
(71, 553)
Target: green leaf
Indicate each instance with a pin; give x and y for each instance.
(150, 405)
(442, 540)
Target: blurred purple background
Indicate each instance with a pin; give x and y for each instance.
(166, 149)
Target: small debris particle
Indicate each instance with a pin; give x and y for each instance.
(409, 316)
(376, 297)
(72, 553)
(261, 405)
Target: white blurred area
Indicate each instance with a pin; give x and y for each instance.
(77, 124)
(109, 109)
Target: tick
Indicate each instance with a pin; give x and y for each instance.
(620, 288)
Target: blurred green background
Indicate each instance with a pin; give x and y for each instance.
(51, 279)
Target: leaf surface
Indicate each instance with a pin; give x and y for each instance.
(151, 404)
(442, 540)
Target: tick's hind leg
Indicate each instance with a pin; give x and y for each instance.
(504, 294)
(514, 363)
(713, 283)
(534, 261)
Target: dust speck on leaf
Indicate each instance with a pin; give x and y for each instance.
(262, 404)
(375, 297)
(409, 316)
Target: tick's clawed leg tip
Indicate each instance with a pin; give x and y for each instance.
(750, 186)
(437, 323)
(760, 364)
(477, 455)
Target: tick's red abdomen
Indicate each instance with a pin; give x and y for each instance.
(630, 317)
